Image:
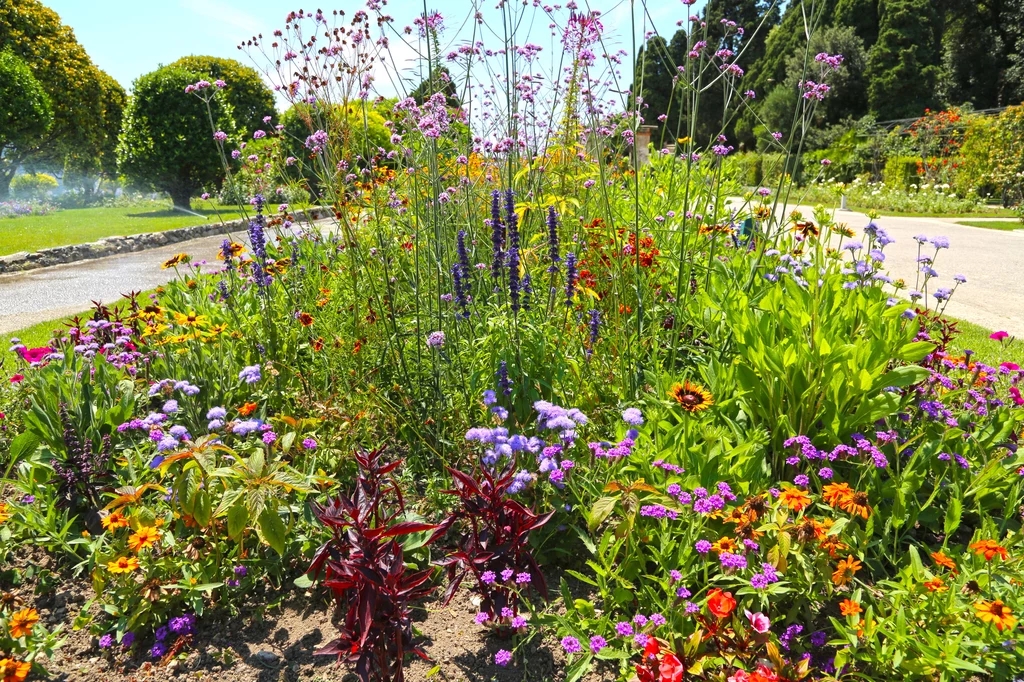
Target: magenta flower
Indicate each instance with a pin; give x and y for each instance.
(503, 657)
(571, 645)
(758, 621)
(998, 336)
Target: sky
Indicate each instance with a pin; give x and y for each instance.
(128, 38)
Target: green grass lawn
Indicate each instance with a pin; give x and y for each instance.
(993, 224)
(81, 225)
(975, 338)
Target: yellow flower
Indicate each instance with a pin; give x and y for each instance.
(22, 622)
(124, 564)
(143, 538)
(995, 612)
(176, 260)
(192, 319)
(4, 515)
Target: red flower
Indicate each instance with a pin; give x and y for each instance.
(652, 648)
(671, 669)
(17, 378)
(721, 603)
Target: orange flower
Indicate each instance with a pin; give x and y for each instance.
(721, 603)
(834, 493)
(990, 548)
(995, 612)
(318, 344)
(144, 538)
(12, 670)
(833, 545)
(856, 504)
(3, 514)
(114, 520)
(691, 397)
(725, 544)
(305, 319)
(794, 498)
(848, 607)
(845, 570)
(22, 622)
(123, 564)
(936, 585)
(247, 409)
(941, 559)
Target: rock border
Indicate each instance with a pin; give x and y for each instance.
(110, 246)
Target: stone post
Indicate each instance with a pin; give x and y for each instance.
(642, 141)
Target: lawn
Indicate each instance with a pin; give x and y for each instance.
(81, 225)
(993, 224)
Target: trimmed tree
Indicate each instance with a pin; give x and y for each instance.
(25, 113)
(904, 63)
(166, 143)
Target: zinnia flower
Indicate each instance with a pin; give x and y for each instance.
(856, 504)
(13, 670)
(941, 559)
(845, 570)
(144, 538)
(123, 564)
(113, 521)
(995, 612)
(794, 498)
(22, 621)
(835, 493)
(848, 607)
(691, 397)
(989, 548)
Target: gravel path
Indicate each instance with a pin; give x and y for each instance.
(992, 261)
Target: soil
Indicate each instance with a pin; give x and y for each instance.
(275, 643)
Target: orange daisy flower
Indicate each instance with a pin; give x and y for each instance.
(834, 493)
(995, 612)
(848, 607)
(691, 397)
(22, 621)
(833, 545)
(936, 585)
(144, 538)
(124, 564)
(990, 548)
(114, 520)
(725, 544)
(941, 559)
(247, 409)
(845, 570)
(13, 670)
(795, 499)
(856, 504)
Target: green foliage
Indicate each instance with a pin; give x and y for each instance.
(161, 144)
(903, 64)
(25, 108)
(32, 186)
(82, 124)
(246, 97)
(901, 171)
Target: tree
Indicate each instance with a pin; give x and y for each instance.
(904, 64)
(25, 112)
(166, 142)
(246, 93)
(440, 80)
(58, 62)
(657, 72)
(862, 16)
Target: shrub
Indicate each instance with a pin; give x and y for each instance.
(33, 186)
(901, 171)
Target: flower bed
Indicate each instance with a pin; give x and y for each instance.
(639, 435)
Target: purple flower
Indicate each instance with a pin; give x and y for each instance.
(127, 640)
(269, 437)
(657, 619)
(571, 645)
(241, 571)
(435, 339)
(309, 444)
(158, 650)
(106, 641)
(482, 618)
(597, 642)
(633, 416)
(702, 546)
(623, 628)
(503, 657)
(523, 578)
(507, 574)
(250, 374)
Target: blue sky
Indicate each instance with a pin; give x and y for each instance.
(127, 38)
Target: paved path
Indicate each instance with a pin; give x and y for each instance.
(992, 261)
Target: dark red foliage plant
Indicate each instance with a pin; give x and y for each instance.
(493, 546)
(364, 567)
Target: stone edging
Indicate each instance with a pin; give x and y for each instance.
(109, 246)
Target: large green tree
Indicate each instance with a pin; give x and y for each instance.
(80, 94)
(25, 112)
(246, 93)
(904, 63)
(166, 141)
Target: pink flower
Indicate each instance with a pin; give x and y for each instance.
(1011, 366)
(1014, 393)
(35, 354)
(998, 336)
(17, 378)
(758, 621)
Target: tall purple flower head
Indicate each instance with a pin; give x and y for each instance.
(527, 289)
(595, 328)
(512, 224)
(571, 275)
(258, 243)
(504, 383)
(227, 255)
(553, 239)
(461, 273)
(497, 236)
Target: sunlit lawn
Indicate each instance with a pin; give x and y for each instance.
(993, 224)
(81, 225)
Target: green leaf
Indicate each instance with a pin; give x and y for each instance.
(601, 510)
(272, 529)
(953, 513)
(238, 517)
(582, 578)
(915, 351)
(902, 376)
(23, 446)
(203, 508)
(303, 582)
